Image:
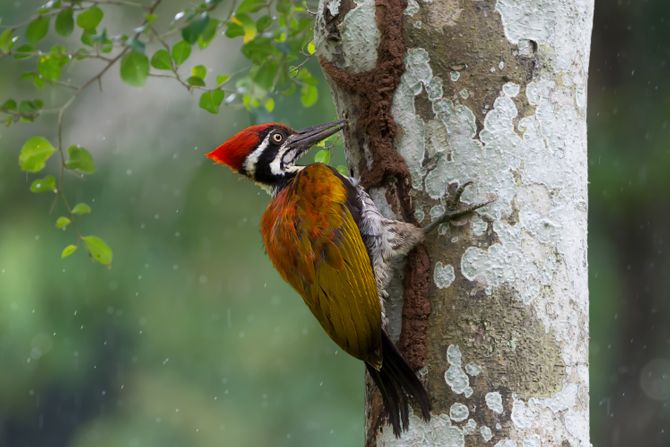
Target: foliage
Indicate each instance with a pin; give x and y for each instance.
(275, 37)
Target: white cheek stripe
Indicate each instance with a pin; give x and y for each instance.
(252, 159)
(276, 167)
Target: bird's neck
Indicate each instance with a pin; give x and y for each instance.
(281, 181)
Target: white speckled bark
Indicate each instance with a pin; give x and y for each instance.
(534, 160)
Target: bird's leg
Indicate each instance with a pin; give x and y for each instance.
(454, 211)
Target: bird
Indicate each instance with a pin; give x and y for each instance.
(329, 241)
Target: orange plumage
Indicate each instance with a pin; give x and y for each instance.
(314, 242)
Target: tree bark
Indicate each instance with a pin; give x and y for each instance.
(494, 311)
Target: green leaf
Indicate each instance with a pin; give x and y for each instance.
(35, 153)
(65, 22)
(322, 156)
(46, 184)
(67, 251)
(195, 81)
(248, 6)
(29, 110)
(62, 222)
(8, 106)
(307, 78)
(37, 29)
(209, 33)
(222, 79)
(342, 170)
(193, 30)
(199, 71)
(79, 159)
(309, 95)
(98, 249)
(248, 26)
(234, 29)
(161, 60)
(269, 104)
(261, 50)
(80, 209)
(134, 68)
(311, 48)
(50, 64)
(90, 19)
(263, 23)
(180, 52)
(88, 38)
(7, 40)
(211, 100)
(24, 51)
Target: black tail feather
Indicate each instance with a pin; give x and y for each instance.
(398, 384)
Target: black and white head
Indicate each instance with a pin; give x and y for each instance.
(267, 153)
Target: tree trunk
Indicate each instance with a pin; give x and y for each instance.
(493, 312)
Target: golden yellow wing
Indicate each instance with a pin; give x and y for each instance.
(314, 242)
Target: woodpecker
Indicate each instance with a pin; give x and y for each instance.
(328, 240)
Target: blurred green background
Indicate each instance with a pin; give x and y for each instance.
(192, 339)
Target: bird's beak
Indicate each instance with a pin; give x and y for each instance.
(306, 138)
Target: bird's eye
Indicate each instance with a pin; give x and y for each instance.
(277, 137)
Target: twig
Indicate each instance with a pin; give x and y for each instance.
(119, 3)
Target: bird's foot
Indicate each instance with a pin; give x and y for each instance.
(455, 208)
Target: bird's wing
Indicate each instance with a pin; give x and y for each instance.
(314, 242)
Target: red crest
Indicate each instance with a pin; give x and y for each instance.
(237, 148)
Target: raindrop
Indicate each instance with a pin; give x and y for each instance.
(655, 379)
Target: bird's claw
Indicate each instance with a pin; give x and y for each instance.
(454, 209)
